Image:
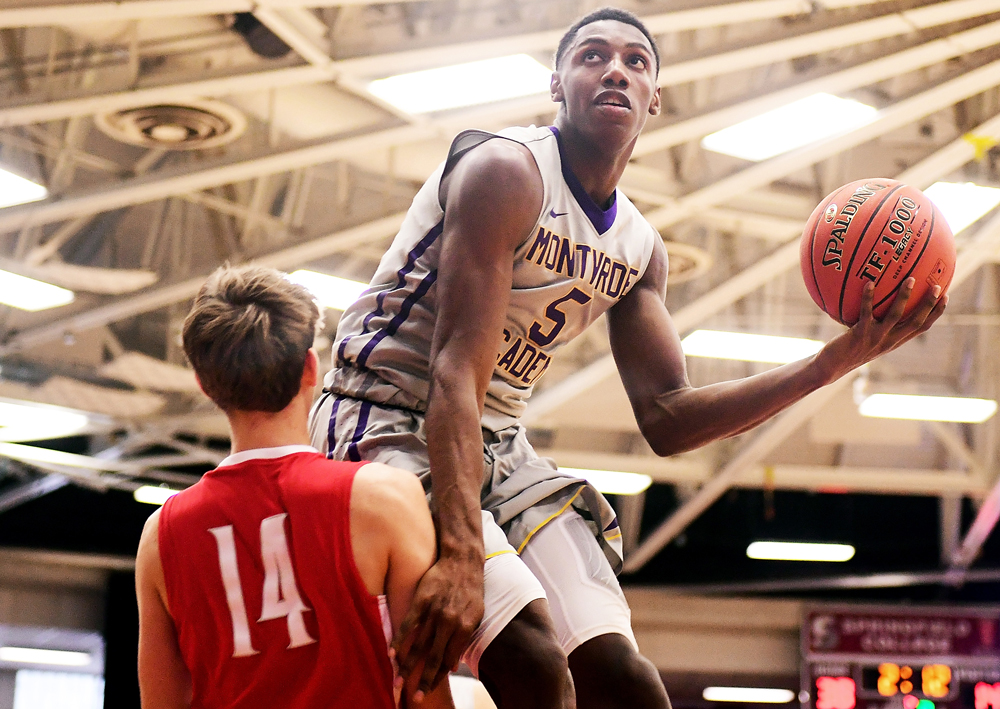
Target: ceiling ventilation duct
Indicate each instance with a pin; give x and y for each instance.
(687, 262)
(193, 125)
(259, 38)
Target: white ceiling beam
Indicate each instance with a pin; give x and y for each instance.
(773, 435)
(872, 30)
(890, 118)
(282, 24)
(145, 301)
(353, 70)
(864, 74)
(83, 12)
(68, 13)
(157, 186)
(178, 181)
(921, 175)
(815, 478)
(115, 101)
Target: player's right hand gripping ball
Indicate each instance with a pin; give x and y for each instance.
(876, 230)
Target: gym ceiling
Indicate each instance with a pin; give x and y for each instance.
(175, 135)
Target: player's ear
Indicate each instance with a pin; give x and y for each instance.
(555, 88)
(198, 380)
(310, 372)
(654, 106)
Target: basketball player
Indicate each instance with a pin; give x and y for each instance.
(514, 246)
(275, 581)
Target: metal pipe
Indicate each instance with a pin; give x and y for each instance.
(160, 297)
(895, 116)
(864, 74)
(770, 438)
(987, 240)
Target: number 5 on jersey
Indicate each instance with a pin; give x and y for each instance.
(281, 592)
(557, 316)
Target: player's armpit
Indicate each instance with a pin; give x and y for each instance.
(164, 681)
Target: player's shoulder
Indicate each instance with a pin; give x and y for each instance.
(385, 491)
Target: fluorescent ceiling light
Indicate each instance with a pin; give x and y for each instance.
(754, 695)
(464, 84)
(330, 291)
(153, 495)
(32, 422)
(28, 294)
(747, 347)
(611, 482)
(962, 203)
(800, 551)
(927, 408)
(800, 123)
(37, 656)
(15, 189)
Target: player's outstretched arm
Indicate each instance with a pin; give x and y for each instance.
(492, 200)
(674, 416)
(164, 681)
(392, 536)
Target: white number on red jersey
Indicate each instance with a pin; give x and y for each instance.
(281, 593)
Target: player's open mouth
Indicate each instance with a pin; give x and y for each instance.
(613, 98)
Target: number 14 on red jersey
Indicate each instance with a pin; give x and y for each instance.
(280, 594)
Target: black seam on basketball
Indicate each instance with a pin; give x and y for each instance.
(927, 242)
(812, 258)
(847, 271)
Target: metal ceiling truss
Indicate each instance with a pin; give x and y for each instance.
(75, 207)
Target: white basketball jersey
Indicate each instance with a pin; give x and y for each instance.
(577, 262)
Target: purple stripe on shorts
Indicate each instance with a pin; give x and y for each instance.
(411, 262)
(400, 317)
(359, 432)
(331, 437)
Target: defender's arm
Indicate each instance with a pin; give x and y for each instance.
(675, 417)
(392, 536)
(492, 200)
(164, 681)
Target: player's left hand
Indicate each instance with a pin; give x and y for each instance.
(446, 609)
(870, 338)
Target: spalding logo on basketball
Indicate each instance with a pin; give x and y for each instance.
(876, 230)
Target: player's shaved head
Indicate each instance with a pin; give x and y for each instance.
(247, 337)
(605, 13)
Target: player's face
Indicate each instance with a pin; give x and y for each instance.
(608, 79)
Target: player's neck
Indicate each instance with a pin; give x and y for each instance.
(262, 429)
(598, 165)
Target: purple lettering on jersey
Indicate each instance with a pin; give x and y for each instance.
(567, 257)
(602, 277)
(615, 287)
(541, 243)
(553, 253)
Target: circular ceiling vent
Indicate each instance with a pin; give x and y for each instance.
(192, 125)
(686, 262)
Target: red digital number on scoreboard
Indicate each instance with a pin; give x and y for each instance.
(987, 695)
(838, 693)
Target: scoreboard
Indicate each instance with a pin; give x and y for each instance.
(892, 657)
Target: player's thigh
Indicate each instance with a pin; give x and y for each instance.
(585, 599)
(509, 587)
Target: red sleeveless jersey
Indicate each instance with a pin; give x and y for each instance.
(269, 607)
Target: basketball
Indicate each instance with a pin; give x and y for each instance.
(876, 230)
